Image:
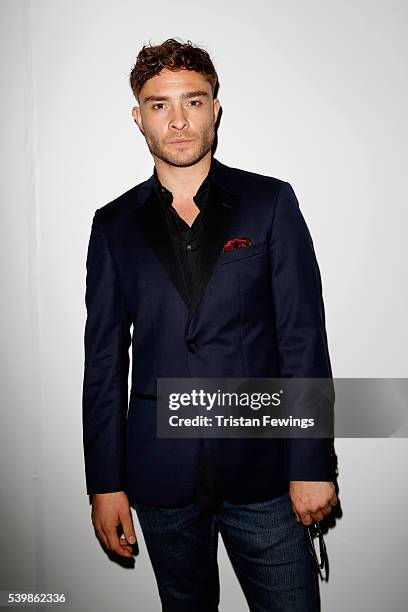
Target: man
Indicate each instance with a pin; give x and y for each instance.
(161, 258)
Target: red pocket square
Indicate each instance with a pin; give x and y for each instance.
(236, 243)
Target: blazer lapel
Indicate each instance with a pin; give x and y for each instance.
(217, 219)
(222, 205)
(150, 219)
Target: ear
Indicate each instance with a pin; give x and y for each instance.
(137, 117)
(216, 106)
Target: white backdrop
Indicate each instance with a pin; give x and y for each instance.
(314, 93)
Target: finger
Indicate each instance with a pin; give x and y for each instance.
(317, 516)
(127, 527)
(115, 544)
(123, 543)
(306, 519)
(326, 510)
(102, 537)
(333, 500)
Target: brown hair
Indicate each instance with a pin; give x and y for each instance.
(173, 55)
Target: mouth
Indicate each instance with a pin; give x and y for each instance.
(180, 141)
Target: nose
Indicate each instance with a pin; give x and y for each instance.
(179, 119)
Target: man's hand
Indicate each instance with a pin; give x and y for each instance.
(311, 500)
(108, 511)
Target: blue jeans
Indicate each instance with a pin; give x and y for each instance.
(264, 542)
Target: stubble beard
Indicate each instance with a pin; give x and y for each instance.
(180, 158)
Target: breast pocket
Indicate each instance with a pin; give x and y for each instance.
(245, 270)
(238, 255)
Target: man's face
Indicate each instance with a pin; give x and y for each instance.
(177, 106)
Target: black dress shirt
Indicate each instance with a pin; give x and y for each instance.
(186, 242)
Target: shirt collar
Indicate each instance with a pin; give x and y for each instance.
(200, 197)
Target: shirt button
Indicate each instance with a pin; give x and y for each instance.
(188, 247)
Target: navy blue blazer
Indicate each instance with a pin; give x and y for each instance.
(259, 313)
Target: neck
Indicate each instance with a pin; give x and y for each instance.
(183, 182)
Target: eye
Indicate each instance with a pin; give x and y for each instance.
(158, 104)
(196, 102)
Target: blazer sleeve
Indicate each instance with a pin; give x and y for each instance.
(105, 383)
(300, 326)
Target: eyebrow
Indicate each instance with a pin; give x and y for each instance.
(189, 94)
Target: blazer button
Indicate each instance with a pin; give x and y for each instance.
(192, 347)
